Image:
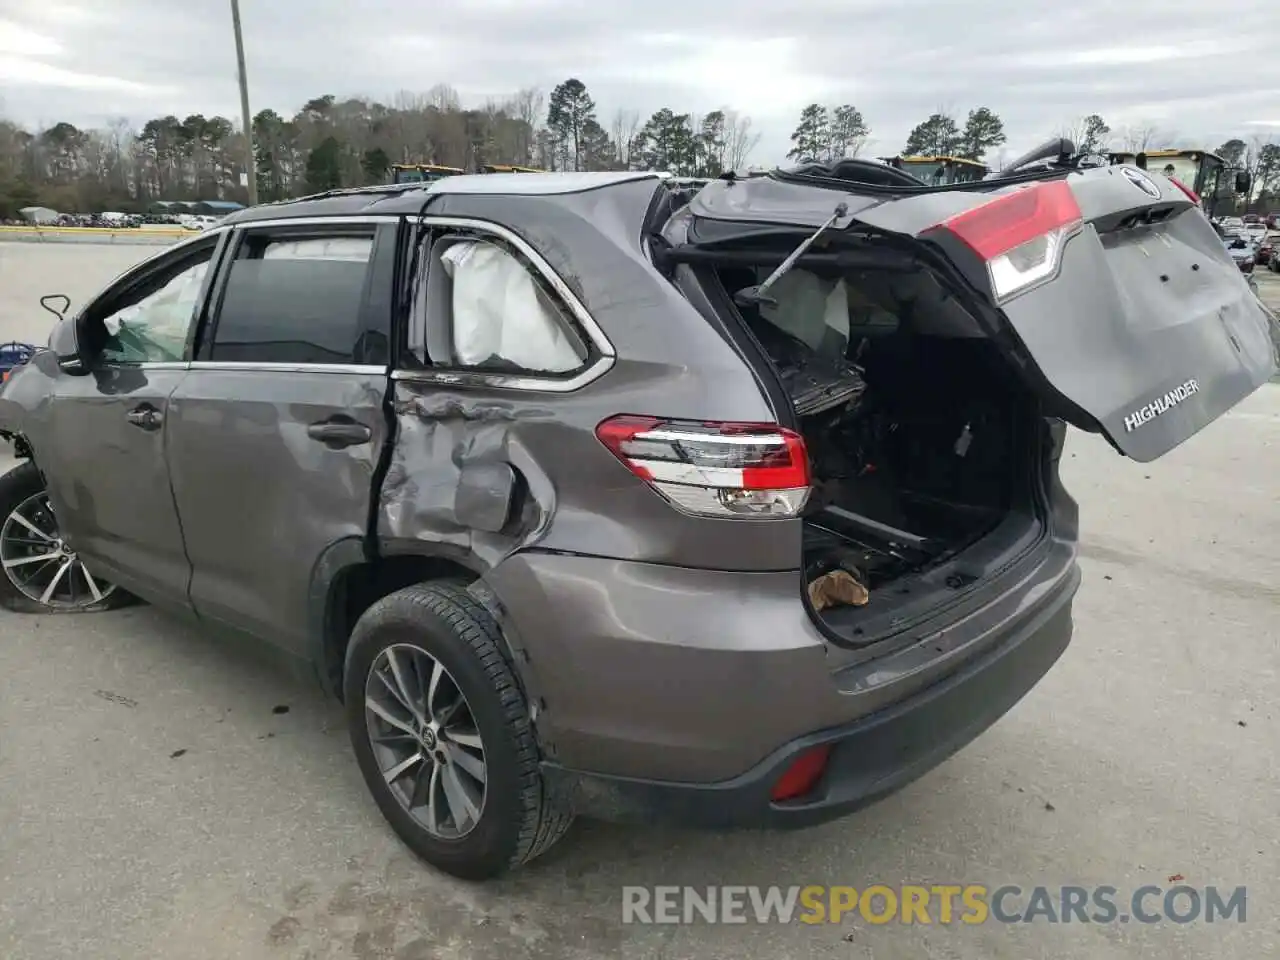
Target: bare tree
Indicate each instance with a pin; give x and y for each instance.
(1144, 135)
(739, 139)
(1256, 156)
(444, 98)
(527, 107)
(626, 126)
(1090, 134)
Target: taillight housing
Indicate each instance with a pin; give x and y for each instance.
(749, 471)
(1020, 235)
(1191, 194)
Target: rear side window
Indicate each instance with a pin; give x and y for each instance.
(297, 299)
(501, 316)
(482, 307)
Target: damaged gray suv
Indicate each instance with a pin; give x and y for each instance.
(599, 494)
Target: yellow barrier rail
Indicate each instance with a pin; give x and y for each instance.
(90, 231)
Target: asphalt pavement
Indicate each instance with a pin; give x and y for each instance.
(163, 796)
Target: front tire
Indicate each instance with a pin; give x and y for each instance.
(38, 572)
(441, 731)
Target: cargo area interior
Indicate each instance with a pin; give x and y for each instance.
(925, 449)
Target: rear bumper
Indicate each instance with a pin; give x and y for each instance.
(870, 758)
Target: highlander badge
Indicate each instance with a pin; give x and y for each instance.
(1160, 406)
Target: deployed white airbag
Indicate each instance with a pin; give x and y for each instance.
(499, 313)
(808, 306)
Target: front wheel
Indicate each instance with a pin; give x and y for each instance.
(442, 734)
(41, 573)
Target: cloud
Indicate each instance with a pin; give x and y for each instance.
(24, 71)
(1162, 62)
(17, 39)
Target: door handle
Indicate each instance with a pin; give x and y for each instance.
(336, 434)
(148, 418)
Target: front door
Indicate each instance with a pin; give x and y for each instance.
(103, 449)
(275, 433)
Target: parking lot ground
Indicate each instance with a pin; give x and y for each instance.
(158, 800)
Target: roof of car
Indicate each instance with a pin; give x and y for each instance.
(408, 198)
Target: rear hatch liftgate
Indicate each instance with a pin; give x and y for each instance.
(1107, 289)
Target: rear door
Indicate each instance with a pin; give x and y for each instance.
(275, 432)
(1109, 288)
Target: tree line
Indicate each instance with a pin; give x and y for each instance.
(331, 142)
(827, 133)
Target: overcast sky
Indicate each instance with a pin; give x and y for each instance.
(1206, 69)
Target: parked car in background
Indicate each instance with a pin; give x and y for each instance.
(1265, 255)
(12, 355)
(590, 494)
(1256, 231)
(1242, 248)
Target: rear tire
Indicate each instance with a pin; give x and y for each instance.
(436, 636)
(29, 535)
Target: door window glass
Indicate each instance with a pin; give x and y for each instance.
(151, 323)
(295, 300)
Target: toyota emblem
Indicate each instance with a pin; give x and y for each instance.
(1141, 181)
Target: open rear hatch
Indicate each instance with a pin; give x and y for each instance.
(1107, 290)
(922, 341)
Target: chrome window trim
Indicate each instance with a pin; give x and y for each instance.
(250, 366)
(318, 221)
(146, 364)
(507, 381)
(462, 377)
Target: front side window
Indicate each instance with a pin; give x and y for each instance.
(149, 324)
(295, 299)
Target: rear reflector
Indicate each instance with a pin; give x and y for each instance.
(1020, 234)
(803, 774)
(744, 470)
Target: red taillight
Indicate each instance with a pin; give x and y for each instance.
(1020, 234)
(802, 775)
(745, 470)
(1191, 194)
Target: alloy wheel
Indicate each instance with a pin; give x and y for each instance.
(426, 741)
(40, 564)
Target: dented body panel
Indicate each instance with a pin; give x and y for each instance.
(258, 511)
(565, 492)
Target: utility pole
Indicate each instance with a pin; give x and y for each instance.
(250, 161)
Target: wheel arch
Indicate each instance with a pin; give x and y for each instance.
(346, 581)
(22, 449)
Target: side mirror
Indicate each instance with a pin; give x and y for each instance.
(64, 345)
(1243, 181)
